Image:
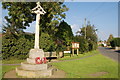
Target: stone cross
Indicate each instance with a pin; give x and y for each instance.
(37, 10)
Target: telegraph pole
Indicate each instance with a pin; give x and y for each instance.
(85, 27)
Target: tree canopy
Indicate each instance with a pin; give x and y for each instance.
(55, 33)
(109, 39)
(20, 16)
(17, 43)
(115, 42)
(87, 38)
(64, 33)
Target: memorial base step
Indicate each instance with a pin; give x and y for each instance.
(34, 74)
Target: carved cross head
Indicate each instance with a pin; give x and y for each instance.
(38, 9)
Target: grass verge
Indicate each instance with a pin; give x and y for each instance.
(85, 67)
(68, 57)
(7, 68)
(13, 61)
(0, 70)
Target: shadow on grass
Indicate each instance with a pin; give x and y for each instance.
(118, 51)
(109, 48)
(113, 48)
(51, 58)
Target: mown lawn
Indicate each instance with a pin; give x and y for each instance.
(68, 57)
(0, 43)
(85, 67)
(78, 68)
(12, 61)
(0, 70)
(6, 68)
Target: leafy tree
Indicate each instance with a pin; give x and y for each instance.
(115, 42)
(54, 15)
(63, 36)
(16, 43)
(83, 43)
(109, 39)
(20, 15)
(90, 41)
(47, 43)
(90, 33)
(64, 33)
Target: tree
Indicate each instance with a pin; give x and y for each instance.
(16, 43)
(47, 43)
(91, 38)
(115, 42)
(20, 15)
(63, 36)
(109, 39)
(90, 33)
(64, 33)
(84, 45)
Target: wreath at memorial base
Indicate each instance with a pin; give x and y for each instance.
(39, 60)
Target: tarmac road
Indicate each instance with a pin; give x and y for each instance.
(111, 53)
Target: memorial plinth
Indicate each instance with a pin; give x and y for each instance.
(30, 69)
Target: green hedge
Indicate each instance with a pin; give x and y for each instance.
(16, 47)
(115, 42)
(85, 45)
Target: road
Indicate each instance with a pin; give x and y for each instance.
(110, 53)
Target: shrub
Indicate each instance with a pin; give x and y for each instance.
(115, 42)
(17, 47)
(47, 43)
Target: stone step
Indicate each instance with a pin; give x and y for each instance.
(27, 66)
(33, 73)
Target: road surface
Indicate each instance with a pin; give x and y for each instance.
(110, 53)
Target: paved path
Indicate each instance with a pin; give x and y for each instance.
(56, 74)
(10, 64)
(110, 53)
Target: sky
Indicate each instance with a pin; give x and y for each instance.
(0, 10)
(103, 15)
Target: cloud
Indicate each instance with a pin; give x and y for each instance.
(0, 29)
(31, 28)
(75, 28)
(0, 21)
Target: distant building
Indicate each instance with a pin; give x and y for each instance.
(102, 43)
(0, 34)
